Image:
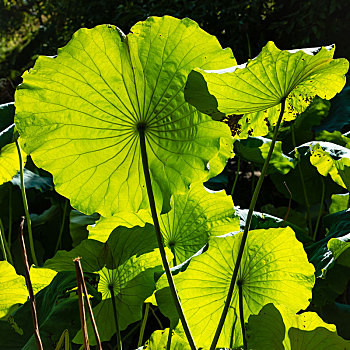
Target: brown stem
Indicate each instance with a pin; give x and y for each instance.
(82, 309)
(39, 344)
(79, 270)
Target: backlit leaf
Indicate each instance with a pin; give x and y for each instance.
(79, 114)
(250, 94)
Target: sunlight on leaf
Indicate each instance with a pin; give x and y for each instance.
(279, 328)
(13, 288)
(250, 94)
(159, 339)
(78, 114)
(9, 162)
(41, 277)
(274, 269)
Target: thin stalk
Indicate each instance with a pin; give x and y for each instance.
(7, 252)
(320, 210)
(302, 184)
(237, 175)
(143, 325)
(253, 177)
(245, 232)
(39, 344)
(10, 218)
(168, 343)
(2, 238)
(82, 311)
(119, 339)
(241, 314)
(248, 44)
(157, 318)
(25, 205)
(289, 204)
(169, 276)
(79, 272)
(58, 244)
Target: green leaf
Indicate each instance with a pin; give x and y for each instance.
(339, 113)
(7, 113)
(78, 223)
(339, 203)
(41, 277)
(103, 228)
(131, 261)
(195, 217)
(255, 149)
(275, 269)
(340, 248)
(9, 162)
(250, 94)
(159, 339)
(279, 328)
(53, 304)
(335, 137)
(186, 228)
(13, 288)
(334, 160)
(79, 114)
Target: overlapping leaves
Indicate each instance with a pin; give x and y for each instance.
(250, 94)
(79, 114)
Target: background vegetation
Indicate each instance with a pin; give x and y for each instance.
(32, 27)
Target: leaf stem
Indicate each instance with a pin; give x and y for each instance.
(302, 184)
(58, 244)
(82, 309)
(237, 175)
(241, 313)
(39, 344)
(168, 343)
(141, 130)
(10, 218)
(143, 325)
(5, 247)
(119, 339)
(320, 210)
(245, 232)
(25, 205)
(81, 280)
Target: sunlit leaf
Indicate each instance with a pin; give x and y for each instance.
(250, 94)
(159, 340)
(79, 114)
(13, 288)
(279, 328)
(274, 269)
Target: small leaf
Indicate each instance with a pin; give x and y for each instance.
(9, 162)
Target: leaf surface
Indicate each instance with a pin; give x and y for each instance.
(274, 269)
(250, 94)
(79, 114)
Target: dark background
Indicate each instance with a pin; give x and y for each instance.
(32, 27)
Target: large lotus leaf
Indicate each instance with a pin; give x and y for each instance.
(339, 112)
(339, 203)
(250, 94)
(334, 160)
(279, 328)
(274, 269)
(53, 304)
(13, 288)
(79, 114)
(103, 227)
(159, 340)
(32, 180)
(255, 149)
